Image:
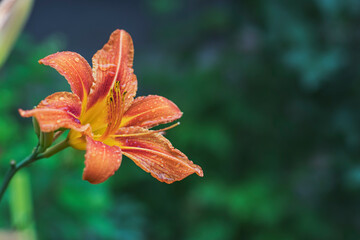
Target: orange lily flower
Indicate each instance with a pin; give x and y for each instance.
(104, 118)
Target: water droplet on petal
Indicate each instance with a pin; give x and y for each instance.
(105, 67)
(77, 59)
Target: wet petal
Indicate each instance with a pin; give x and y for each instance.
(101, 161)
(111, 64)
(74, 68)
(59, 110)
(154, 153)
(150, 111)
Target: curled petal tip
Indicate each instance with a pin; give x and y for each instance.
(199, 171)
(59, 110)
(74, 68)
(155, 154)
(21, 112)
(25, 113)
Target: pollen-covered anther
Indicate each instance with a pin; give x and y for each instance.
(115, 110)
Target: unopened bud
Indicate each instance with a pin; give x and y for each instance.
(13, 15)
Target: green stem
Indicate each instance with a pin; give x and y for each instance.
(35, 155)
(54, 149)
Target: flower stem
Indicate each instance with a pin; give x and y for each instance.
(54, 149)
(35, 155)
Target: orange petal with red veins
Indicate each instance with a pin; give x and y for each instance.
(150, 111)
(74, 68)
(155, 154)
(114, 63)
(101, 161)
(59, 110)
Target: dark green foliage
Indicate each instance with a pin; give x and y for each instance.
(270, 92)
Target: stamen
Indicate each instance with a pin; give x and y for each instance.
(146, 133)
(115, 110)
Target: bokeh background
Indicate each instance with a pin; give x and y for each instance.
(270, 92)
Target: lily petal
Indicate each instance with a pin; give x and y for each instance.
(154, 153)
(113, 63)
(150, 111)
(101, 161)
(59, 110)
(74, 68)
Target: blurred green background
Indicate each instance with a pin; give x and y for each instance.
(270, 92)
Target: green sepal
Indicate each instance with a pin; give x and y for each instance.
(46, 139)
(36, 127)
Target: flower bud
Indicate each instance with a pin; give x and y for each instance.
(13, 15)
